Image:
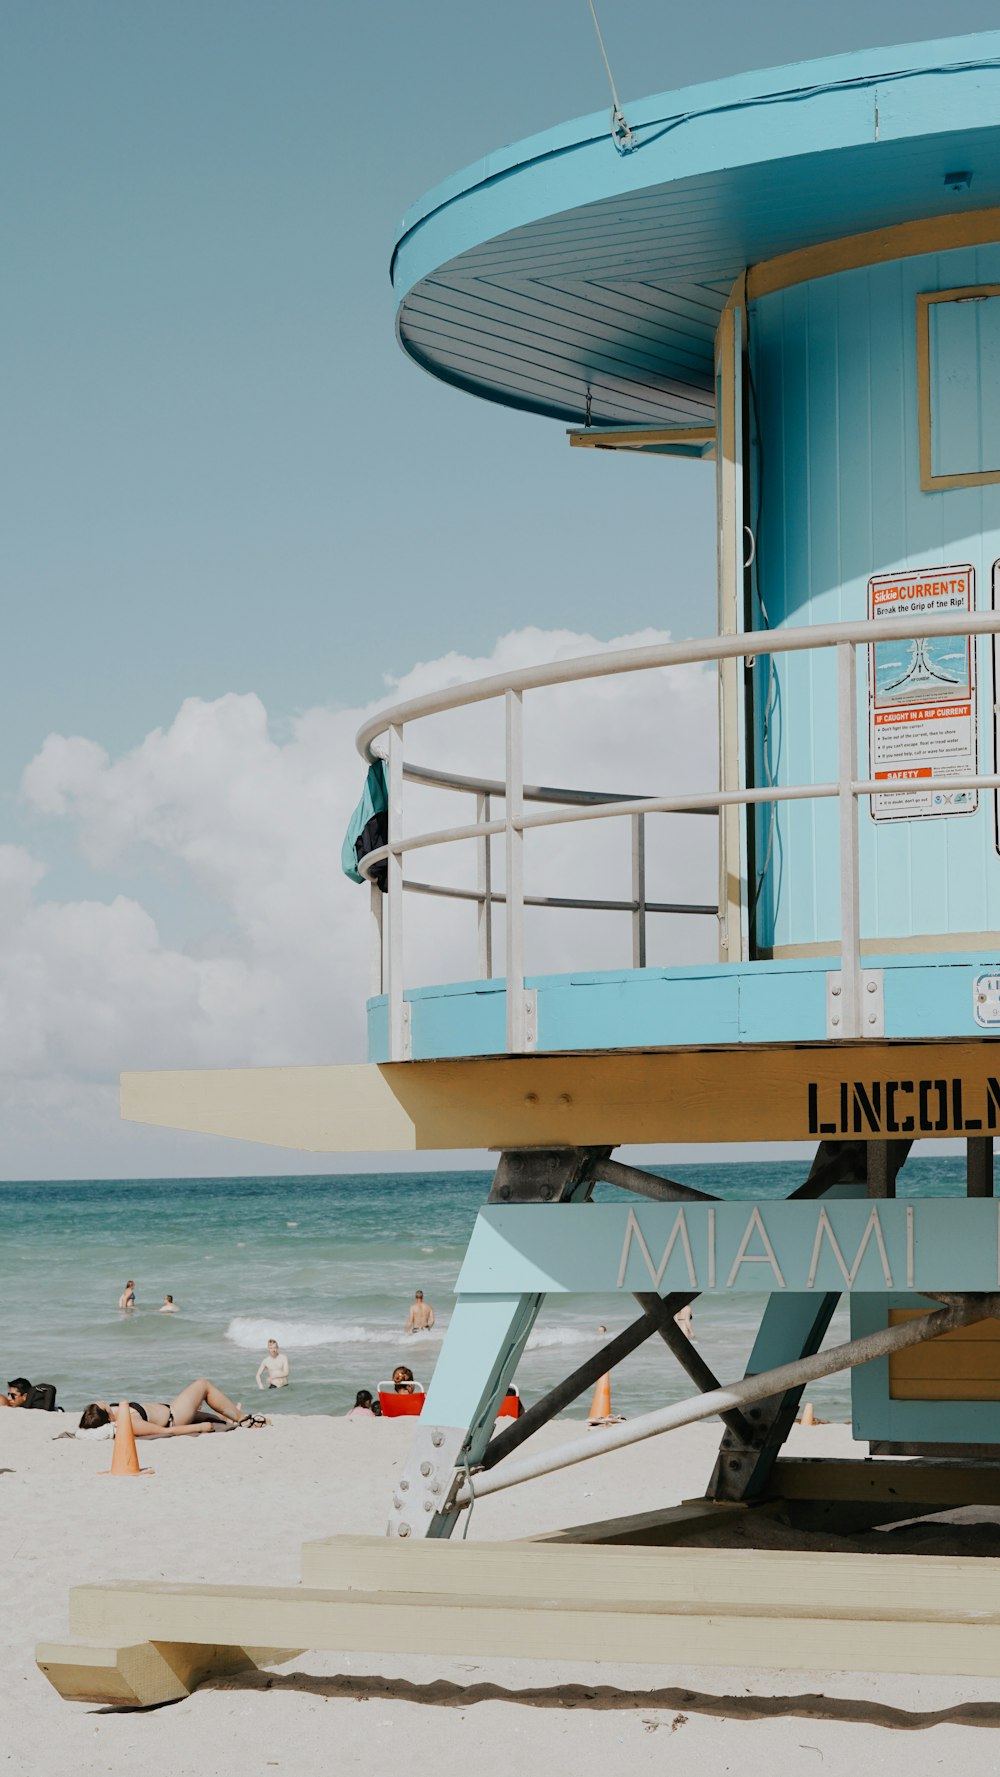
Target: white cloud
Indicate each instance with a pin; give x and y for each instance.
(248, 818)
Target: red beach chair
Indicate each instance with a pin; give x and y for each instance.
(401, 1406)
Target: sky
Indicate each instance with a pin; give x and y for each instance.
(236, 518)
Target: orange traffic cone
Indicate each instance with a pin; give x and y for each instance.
(600, 1406)
(808, 1416)
(125, 1458)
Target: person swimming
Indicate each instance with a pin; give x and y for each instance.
(276, 1365)
(181, 1417)
(126, 1300)
(421, 1318)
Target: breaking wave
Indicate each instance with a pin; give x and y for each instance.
(305, 1335)
(546, 1336)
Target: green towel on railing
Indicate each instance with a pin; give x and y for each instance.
(368, 828)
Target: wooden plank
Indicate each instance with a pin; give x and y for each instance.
(670, 1524)
(953, 1388)
(642, 437)
(960, 1366)
(922, 1483)
(345, 1562)
(865, 1637)
(977, 1332)
(963, 1363)
(766, 1092)
(141, 1674)
(925, 1448)
(799, 1582)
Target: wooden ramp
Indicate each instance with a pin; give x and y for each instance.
(668, 1606)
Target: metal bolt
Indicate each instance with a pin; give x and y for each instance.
(437, 1439)
(435, 1487)
(531, 1098)
(504, 1192)
(545, 1193)
(835, 991)
(565, 1098)
(397, 1502)
(836, 1018)
(403, 1486)
(735, 1462)
(426, 1468)
(428, 1505)
(872, 1019)
(870, 987)
(402, 1530)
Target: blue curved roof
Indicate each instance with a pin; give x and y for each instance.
(559, 265)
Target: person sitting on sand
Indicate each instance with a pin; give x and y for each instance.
(126, 1300)
(181, 1417)
(276, 1365)
(402, 1380)
(363, 1407)
(169, 1306)
(20, 1393)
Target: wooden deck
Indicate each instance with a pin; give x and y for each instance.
(572, 1597)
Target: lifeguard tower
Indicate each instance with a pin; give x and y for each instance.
(794, 276)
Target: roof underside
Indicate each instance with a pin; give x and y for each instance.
(561, 267)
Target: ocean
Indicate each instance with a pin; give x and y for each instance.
(328, 1267)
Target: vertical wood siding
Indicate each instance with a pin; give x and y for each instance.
(838, 468)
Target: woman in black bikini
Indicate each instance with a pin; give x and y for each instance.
(181, 1417)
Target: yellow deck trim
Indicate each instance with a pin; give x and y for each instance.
(904, 240)
(741, 1093)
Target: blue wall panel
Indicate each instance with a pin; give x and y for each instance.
(479, 1028)
(645, 1009)
(837, 470)
(761, 1002)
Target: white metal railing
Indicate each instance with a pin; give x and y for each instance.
(844, 638)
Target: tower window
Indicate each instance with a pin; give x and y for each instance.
(958, 370)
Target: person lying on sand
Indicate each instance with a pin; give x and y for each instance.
(181, 1417)
(21, 1393)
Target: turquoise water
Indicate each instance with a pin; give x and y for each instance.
(327, 1266)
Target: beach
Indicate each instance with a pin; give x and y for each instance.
(236, 1508)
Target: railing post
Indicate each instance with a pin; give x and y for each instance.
(639, 891)
(514, 840)
(850, 897)
(484, 886)
(394, 896)
(375, 968)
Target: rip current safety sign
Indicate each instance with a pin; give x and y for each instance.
(922, 697)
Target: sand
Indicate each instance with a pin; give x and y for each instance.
(237, 1509)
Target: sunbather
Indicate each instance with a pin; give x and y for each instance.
(181, 1417)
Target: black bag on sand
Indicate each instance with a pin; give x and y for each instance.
(43, 1396)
